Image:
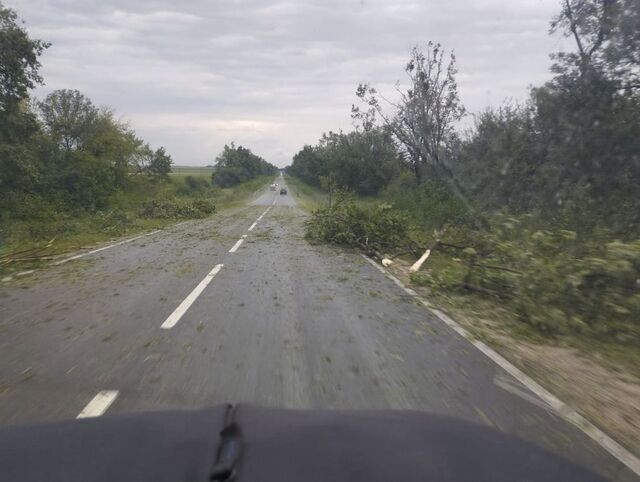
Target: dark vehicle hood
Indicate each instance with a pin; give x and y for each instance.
(249, 443)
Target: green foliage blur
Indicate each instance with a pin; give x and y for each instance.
(551, 280)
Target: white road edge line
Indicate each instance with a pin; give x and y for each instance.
(93, 251)
(191, 297)
(82, 255)
(252, 226)
(559, 407)
(99, 404)
(238, 243)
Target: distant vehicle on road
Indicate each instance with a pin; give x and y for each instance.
(272, 187)
(283, 190)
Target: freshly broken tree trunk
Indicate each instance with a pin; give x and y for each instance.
(418, 264)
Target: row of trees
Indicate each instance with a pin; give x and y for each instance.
(238, 164)
(63, 150)
(571, 152)
(361, 161)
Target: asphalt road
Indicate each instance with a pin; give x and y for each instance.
(280, 323)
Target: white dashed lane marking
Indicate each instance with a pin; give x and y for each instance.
(99, 404)
(188, 301)
(238, 243)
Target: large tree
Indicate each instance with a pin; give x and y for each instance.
(606, 34)
(19, 60)
(69, 117)
(19, 72)
(238, 164)
(423, 118)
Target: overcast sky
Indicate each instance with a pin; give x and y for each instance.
(193, 75)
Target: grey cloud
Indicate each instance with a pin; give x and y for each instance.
(274, 75)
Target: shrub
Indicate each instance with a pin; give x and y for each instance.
(429, 204)
(193, 184)
(171, 208)
(380, 228)
(205, 206)
(113, 221)
(230, 176)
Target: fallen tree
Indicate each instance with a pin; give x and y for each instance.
(549, 279)
(376, 230)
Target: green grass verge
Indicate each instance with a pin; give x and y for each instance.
(123, 217)
(308, 197)
(193, 170)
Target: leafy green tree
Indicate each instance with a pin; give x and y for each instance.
(86, 181)
(116, 143)
(607, 39)
(571, 153)
(19, 72)
(160, 165)
(498, 162)
(423, 120)
(307, 165)
(19, 59)
(69, 117)
(622, 54)
(238, 164)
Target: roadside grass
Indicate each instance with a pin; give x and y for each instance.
(238, 195)
(180, 173)
(308, 197)
(181, 177)
(53, 232)
(192, 170)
